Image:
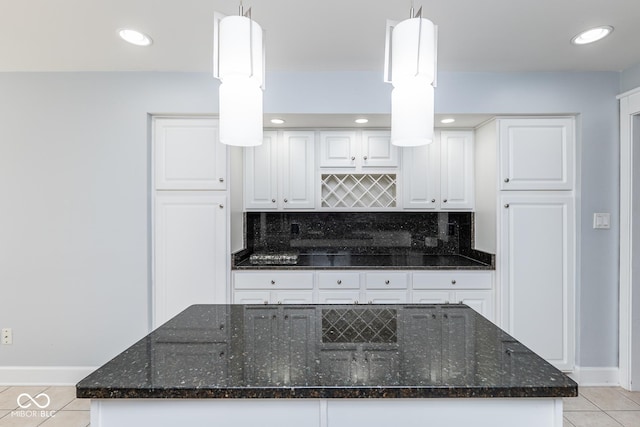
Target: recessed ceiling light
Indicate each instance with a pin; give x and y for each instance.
(592, 35)
(361, 121)
(135, 37)
(447, 121)
(277, 121)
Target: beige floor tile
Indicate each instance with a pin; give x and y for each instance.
(609, 398)
(626, 418)
(633, 395)
(68, 419)
(566, 423)
(591, 419)
(60, 397)
(9, 421)
(579, 403)
(9, 397)
(78, 405)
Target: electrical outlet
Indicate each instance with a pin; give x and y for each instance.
(7, 336)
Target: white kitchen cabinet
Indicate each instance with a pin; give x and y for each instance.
(188, 155)
(537, 247)
(537, 153)
(421, 177)
(385, 297)
(338, 296)
(357, 150)
(190, 251)
(261, 174)
(280, 173)
(456, 170)
(480, 301)
(440, 175)
(273, 287)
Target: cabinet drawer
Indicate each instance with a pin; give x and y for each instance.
(386, 280)
(452, 280)
(273, 280)
(342, 280)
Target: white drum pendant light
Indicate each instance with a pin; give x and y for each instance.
(410, 65)
(238, 61)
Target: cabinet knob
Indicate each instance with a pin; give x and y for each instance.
(453, 282)
(221, 179)
(339, 282)
(279, 302)
(444, 201)
(222, 354)
(273, 200)
(365, 157)
(273, 282)
(386, 282)
(353, 158)
(221, 206)
(433, 200)
(286, 200)
(506, 205)
(506, 180)
(355, 302)
(370, 302)
(286, 317)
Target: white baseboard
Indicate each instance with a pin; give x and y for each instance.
(43, 375)
(596, 376)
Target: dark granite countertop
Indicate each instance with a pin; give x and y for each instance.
(370, 261)
(327, 351)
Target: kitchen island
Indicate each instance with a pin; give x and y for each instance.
(327, 366)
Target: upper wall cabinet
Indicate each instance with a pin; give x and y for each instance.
(440, 176)
(357, 150)
(279, 174)
(536, 154)
(188, 155)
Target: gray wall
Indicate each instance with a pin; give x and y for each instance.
(630, 78)
(73, 180)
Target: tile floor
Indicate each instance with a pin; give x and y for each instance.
(595, 407)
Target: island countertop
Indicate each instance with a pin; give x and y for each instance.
(327, 351)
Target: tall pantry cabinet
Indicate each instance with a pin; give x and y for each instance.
(525, 213)
(189, 215)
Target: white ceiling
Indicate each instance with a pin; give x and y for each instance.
(319, 35)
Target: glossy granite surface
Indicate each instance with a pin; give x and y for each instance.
(326, 351)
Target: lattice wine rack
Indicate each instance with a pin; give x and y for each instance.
(358, 190)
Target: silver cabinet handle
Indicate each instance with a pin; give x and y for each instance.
(444, 201)
(365, 157)
(221, 206)
(339, 282)
(453, 282)
(285, 200)
(506, 180)
(433, 200)
(353, 158)
(386, 282)
(273, 282)
(221, 179)
(506, 205)
(273, 200)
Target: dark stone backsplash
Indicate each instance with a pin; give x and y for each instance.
(438, 233)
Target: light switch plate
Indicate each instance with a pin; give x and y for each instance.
(602, 221)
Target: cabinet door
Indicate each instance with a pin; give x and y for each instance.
(456, 170)
(261, 342)
(260, 174)
(188, 155)
(480, 301)
(251, 297)
(298, 170)
(536, 154)
(537, 276)
(377, 150)
(339, 297)
(338, 149)
(189, 251)
(385, 297)
(431, 297)
(421, 177)
(421, 346)
(299, 350)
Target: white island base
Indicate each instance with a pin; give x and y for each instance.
(305, 412)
